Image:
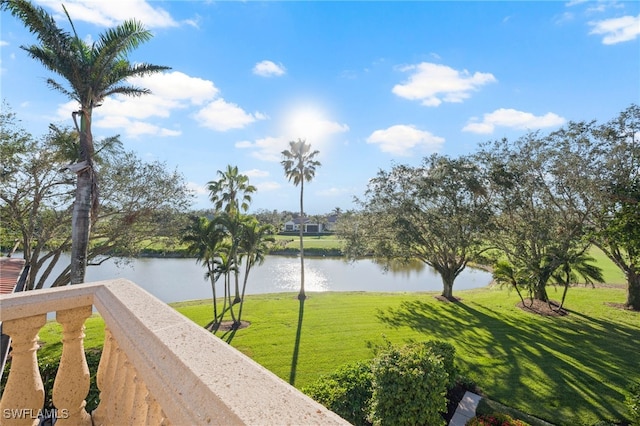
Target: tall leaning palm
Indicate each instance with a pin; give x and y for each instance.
(299, 166)
(92, 71)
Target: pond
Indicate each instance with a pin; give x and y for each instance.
(173, 280)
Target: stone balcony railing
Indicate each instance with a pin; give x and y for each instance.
(157, 367)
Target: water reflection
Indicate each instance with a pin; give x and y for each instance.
(401, 267)
(286, 276)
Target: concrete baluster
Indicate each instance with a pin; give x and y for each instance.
(125, 399)
(72, 380)
(140, 406)
(23, 395)
(104, 376)
(114, 404)
(155, 415)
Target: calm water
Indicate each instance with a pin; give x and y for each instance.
(173, 280)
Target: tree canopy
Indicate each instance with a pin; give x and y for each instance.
(91, 72)
(436, 213)
(140, 200)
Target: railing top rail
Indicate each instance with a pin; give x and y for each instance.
(29, 303)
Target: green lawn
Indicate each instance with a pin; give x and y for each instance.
(322, 241)
(612, 274)
(570, 370)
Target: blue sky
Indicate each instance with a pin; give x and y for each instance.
(368, 84)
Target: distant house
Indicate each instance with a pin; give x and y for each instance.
(307, 226)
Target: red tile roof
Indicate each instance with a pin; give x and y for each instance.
(10, 270)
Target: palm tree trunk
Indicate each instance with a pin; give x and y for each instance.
(302, 295)
(237, 298)
(81, 221)
(212, 278)
(244, 287)
(81, 224)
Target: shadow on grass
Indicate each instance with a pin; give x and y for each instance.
(296, 346)
(562, 369)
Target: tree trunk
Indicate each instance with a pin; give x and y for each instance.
(237, 298)
(633, 289)
(302, 295)
(213, 290)
(244, 288)
(447, 286)
(81, 225)
(540, 291)
(81, 221)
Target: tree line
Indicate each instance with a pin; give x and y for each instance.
(530, 207)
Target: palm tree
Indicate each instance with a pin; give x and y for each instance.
(232, 193)
(254, 245)
(226, 191)
(93, 71)
(506, 274)
(576, 265)
(204, 239)
(299, 166)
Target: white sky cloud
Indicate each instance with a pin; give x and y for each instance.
(433, 84)
(170, 91)
(506, 117)
(4, 43)
(617, 30)
(256, 173)
(134, 128)
(112, 13)
(178, 86)
(221, 115)
(269, 69)
(268, 149)
(403, 140)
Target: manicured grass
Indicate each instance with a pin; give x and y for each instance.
(321, 242)
(570, 370)
(612, 274)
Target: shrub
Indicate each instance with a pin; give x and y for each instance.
(447, 353)
(496, 419)
(346, 392)
(632, 402)
(409, 386)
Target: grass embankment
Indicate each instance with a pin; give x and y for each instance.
(568, 370)
(314, 245)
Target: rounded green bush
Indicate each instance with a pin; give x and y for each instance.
(409, 386)
(346, 392)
